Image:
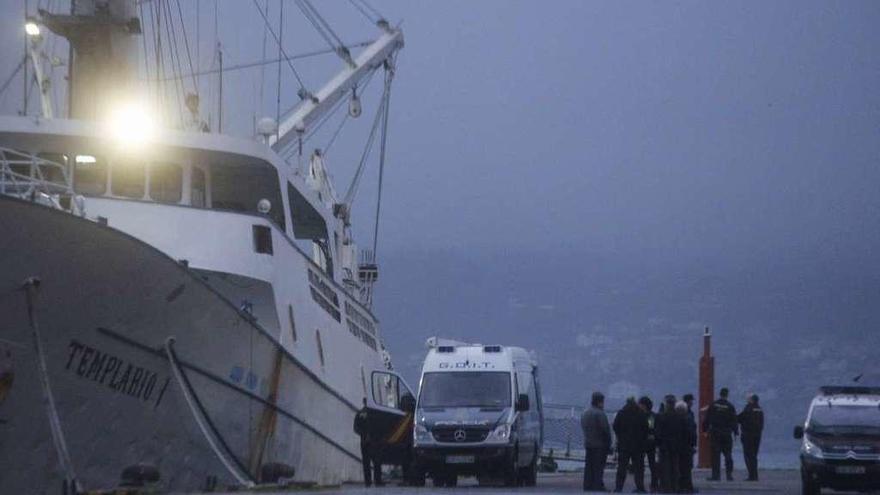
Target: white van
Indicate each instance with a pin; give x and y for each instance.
(479, 412)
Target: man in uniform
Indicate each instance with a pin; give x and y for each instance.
(631, 429)
(751, 420)
(369, 446)
(597, 442)
(721, 423)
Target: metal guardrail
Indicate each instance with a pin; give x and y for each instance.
(26, 175)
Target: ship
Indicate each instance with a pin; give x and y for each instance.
(180, 308)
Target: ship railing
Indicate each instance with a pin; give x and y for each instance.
(30, 176)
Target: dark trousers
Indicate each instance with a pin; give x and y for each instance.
(594, 469)
(722, 443)
(624, 460)
(751, 444)
(368, 457)
(670, 469)
(651, 456)
(686, 469)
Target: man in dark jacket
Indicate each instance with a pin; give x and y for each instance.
(687, 460)
(369, 446)
(651, 445)
(721, 423)
(751, 420)
(631, 429)
(597, 442)
(672, 441)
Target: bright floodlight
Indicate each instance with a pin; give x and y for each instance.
(131, 124)
(31, 28)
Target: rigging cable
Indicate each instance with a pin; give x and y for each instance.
(280, 53)
(324, 29)
(12, 76)
(389, 74)
(174, 53)
(261, 97)
(375, 12)
(355, 182)
(363, 11)
(270, 61)
(302, 85)
(186, 44)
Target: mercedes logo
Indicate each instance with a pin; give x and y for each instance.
(460, 435)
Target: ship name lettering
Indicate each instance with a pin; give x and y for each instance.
(114, 372)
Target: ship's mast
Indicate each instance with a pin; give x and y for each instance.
(102, 70)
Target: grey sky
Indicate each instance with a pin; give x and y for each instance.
(705, 129)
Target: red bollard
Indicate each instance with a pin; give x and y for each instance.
(707, 395)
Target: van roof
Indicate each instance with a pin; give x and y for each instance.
(848, 396)
(476, 357)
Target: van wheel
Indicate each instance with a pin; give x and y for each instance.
(529, 474)
(511, 473)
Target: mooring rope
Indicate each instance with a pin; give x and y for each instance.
(30, 287)
(237, 472)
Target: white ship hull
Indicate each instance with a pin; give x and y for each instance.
(105, 307)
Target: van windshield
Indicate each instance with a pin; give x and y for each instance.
(465, 389)
(839, 419)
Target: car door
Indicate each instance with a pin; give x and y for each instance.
(391, 405)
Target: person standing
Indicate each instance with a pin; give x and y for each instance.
(751, 421)
(671, 440)
(721, 423)
(631, 429)
(651, 444)
(597, 442)
(687, 460)
(369, 444)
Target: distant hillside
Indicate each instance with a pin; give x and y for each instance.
(781, 329)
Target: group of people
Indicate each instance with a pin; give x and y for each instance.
(667, 440)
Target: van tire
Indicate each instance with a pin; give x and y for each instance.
(511, 473)
(529, 474)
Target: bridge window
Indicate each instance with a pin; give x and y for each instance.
(128, 179)
(320, 347)
(197, 188)
(166, 182)
(89, 175)
(53, 172)
(292, 321)
(241, 187)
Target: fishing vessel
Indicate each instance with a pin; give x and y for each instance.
(180, 308)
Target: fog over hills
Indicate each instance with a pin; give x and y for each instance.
(630, 326)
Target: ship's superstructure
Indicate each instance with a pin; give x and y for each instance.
(178, 303)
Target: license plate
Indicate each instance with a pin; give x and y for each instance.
(459, 459)
(849, 469)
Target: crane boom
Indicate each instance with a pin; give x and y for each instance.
(311, 109)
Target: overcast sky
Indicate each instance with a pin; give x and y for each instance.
(682, 130)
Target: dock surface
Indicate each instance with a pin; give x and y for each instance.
(785, 481)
